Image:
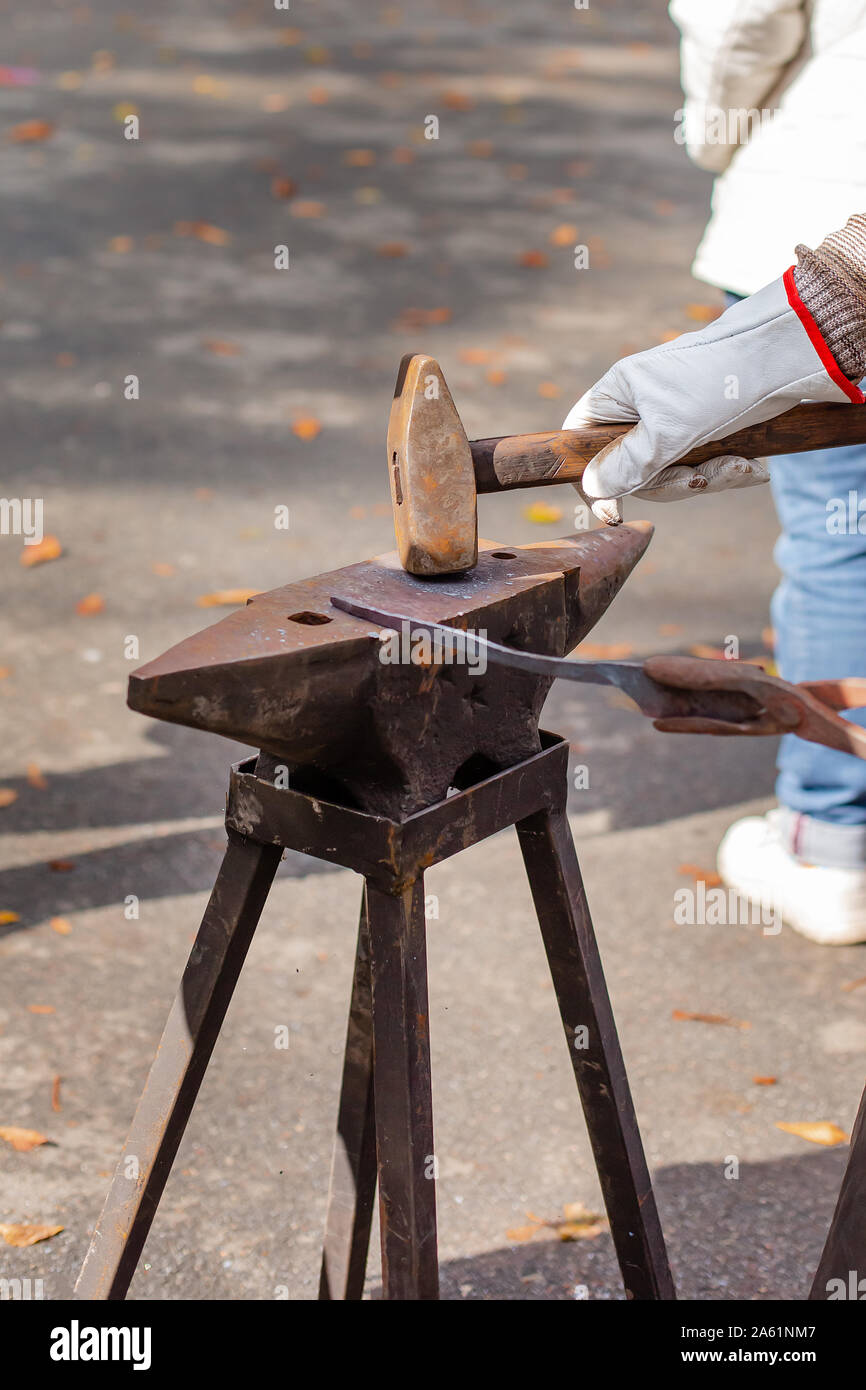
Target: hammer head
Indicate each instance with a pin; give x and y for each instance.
(432, 473)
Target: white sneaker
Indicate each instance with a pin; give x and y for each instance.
(826, 905)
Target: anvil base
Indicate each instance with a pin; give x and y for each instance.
(385, 1122)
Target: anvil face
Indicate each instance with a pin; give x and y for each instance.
(307, 683)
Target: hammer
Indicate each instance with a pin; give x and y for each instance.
(436, 472)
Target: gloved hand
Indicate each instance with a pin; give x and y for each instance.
(761, 357)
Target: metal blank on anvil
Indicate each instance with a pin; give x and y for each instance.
(293, 676)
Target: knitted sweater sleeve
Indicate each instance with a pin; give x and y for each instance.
(831, 282)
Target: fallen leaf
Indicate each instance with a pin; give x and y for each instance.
(221, 347)
(480, 149)
(282, 187)
(422, 318)
(35, 777)
(4, 672)
(495, 376)
(817, 1132)
(532, 259)
(22, 1140)
(55, 1095)
(307, 207)
(121, 245)
(403, 154)
(605, 651)
(359, 159)
(41, 1008)
(61, 925)
(88, 606)
(7, 796)
(307, 427)
(49, 548)
(521, 1233)
(682, 1016)
(318, 96)
(61, 866)
(764, 1080)
(549, 390)
(542, 513)
(709, 876)
(165, 571)
(122, 109)
(855, 984)
(564, 235)
(203, 231)
(27, 1235)
(703, 313)
(392, 250)
(456, 101)
(710, 653)
(226, 598)
(474, 356)
(7, 917)
(29, 131)
(669, 629)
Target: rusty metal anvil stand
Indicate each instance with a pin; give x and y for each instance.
(385, 1124)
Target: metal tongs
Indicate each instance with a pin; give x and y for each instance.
(681, 694)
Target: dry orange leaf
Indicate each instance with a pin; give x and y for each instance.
(563, 235)
(88, 606)
(683, 1016)
(495, 376)
(403, 154)
(709, 876)
(480, 149)
(605, 651)
(359, 159)
(22, 1140)
(392, 250)
(61, 866)
(817, 1131)
(203, 231)
(533, 259)
(521, 1233)
(35, 777)
(27, 1235)
(307, 427)
(7, 796)
(703, 313)
(29, 131)
(855, 984)
(282, 187)
(41, 1008)
(55, 1095)
(549, 390)
(764, 1080)
(61, 925)
(221, 347)
(474, 356)
(226, 598)
(319, 96)
(4, 672)
(456, 101)
(669, 629)
(307, 207)
(49, 548)
(542, 513)
(164, 570)
(7, 917)
(422, 318)
(121, 245)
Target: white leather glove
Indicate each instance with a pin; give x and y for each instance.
(761, 357)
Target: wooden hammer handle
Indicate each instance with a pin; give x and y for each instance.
(536, 460)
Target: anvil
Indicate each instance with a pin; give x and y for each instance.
(295, 677)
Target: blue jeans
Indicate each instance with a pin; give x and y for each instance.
(819, 616)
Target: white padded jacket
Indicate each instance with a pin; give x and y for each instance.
(802, 172)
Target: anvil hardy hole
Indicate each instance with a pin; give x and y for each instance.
(310, 619)
(502, 555)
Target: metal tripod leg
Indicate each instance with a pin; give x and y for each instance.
(845, 1248)
(403, 1098)
(353, 1166)
(193, 1025)
(575, 965)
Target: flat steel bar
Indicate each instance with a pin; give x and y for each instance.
(581, 992)
(178, 1068)
(404, 1103)
(352, 1191)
